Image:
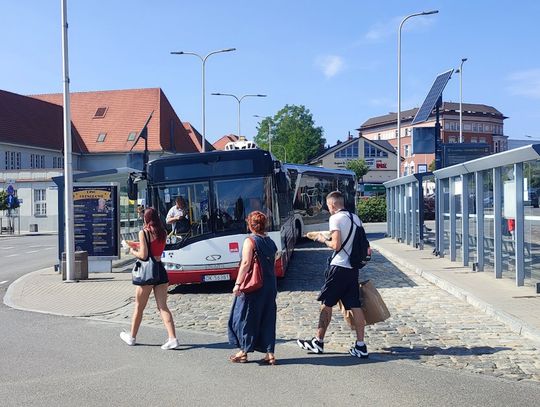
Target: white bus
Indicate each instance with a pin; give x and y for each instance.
(310, 185)
(220, 188)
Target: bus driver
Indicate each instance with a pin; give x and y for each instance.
(178, 216)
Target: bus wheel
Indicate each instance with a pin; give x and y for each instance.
(298, 232)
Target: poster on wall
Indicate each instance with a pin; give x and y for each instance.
(96, 211)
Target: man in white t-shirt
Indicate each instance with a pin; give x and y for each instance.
(341, 280)
(178, 216)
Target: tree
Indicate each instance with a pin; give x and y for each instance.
(359, 167)
(431, 166)
(294, 130)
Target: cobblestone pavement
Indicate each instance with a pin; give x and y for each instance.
(427, 325)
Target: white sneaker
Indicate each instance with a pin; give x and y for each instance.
(172, 343)
(127, 338)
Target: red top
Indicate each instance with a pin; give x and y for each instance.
(156, 246)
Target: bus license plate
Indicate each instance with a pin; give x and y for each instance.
(216, 277)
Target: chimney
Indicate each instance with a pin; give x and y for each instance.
(350, 136)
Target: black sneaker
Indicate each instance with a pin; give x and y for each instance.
(313, 345)
(359, 351)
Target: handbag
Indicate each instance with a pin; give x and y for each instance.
(253, 280)
(375, 310)
(146, 272)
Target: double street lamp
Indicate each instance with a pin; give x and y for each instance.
(460, 71)
(239, 100)
(423, 13)
(203, 60)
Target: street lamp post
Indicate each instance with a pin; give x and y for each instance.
(269, 132)
(239, 100)
(203, 60)
(460, 71)
(423, 13)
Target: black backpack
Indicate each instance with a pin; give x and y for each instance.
(359, 255)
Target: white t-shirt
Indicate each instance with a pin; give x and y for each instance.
(342, 222)
(173, 212)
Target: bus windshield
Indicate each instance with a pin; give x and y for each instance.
(217, 206)
(195, 194)
(236, 198)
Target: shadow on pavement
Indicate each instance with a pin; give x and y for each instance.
(330, 359)
(403, 352)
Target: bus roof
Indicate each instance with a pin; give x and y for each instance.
(210, 164)
(302, 168)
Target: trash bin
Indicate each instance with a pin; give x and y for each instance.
(33, 227)
(81, 266)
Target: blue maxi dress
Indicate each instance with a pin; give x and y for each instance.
(252, 323)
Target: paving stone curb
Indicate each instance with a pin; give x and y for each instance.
(515, 324)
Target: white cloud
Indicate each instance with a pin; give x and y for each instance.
(330, 65)
(383, 30)
(525, 83)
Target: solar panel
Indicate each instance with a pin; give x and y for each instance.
(431, 99)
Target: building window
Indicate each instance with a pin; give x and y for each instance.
(132, 136)
(452, 139)
(348, 152)
(13, 160)
(37, 161)
(58, 162)
(474, 139)
(372, 151)
(480, 127)
(482, 139)
(101, 137)
(100, 112)
(40, 204)
(406, 150)
(475, 127)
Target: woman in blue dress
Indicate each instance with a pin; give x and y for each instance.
(252, 324)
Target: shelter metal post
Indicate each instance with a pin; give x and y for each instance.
(519, 231)
(465, 219)
(414, 217)
(497, 221)
(452, 217)
(479, 187)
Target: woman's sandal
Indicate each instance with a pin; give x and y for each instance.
(238, 358)
(269, 361)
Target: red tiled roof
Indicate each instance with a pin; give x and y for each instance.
(220, 144)
(27, 121)
(196, 137)
(126, 111)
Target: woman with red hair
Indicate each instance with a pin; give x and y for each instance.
(252, 324)
(152, 242)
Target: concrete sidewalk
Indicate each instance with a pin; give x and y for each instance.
(517, 307)
(44, 291)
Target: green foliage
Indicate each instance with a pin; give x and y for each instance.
(4, 200)
(431, 166)
(359, 167)
(293, 131)
(372, 209)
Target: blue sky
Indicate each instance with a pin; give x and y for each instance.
(336, 58)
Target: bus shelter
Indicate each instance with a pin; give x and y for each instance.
(488, 215)
(405, 207)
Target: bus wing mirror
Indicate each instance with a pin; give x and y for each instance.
(132, 189)
(281, 181)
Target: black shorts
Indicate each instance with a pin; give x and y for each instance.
(341, 283)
